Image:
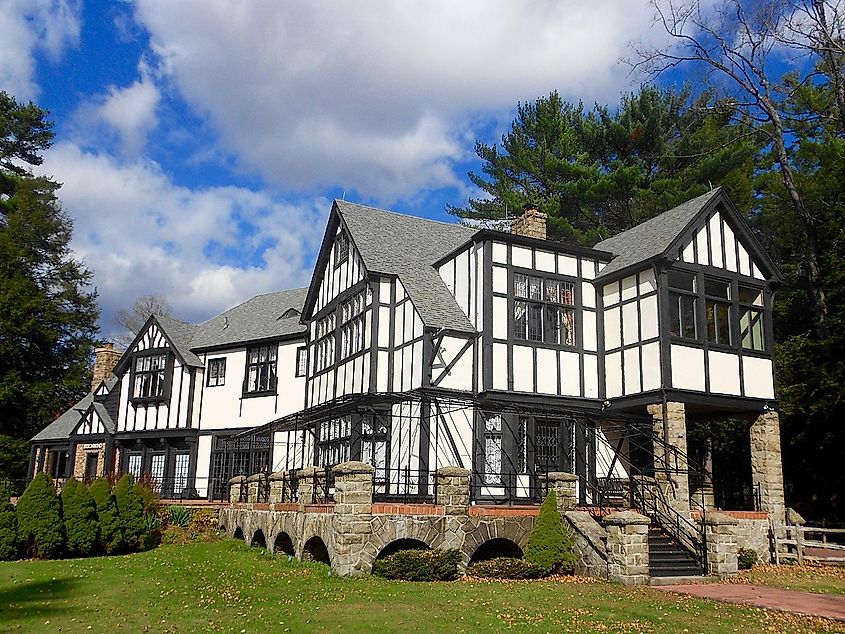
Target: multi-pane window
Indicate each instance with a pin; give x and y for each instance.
(352, 325)
(157, 468)
(150, 376)
(134, 465)
(341, 247)
(521, 453)
(301, 361)
(493, 449)
(260, 369)
(216, 372)
(683, 304)
(334, 440)
(374, 430)
(324, 354)
(717, 310)
(180, 472)
(751, 333)
(544, 310)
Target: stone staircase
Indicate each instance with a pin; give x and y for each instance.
(668, 558)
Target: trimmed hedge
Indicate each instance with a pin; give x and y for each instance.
(419, 565)
(549, 545)
(79, 512)
(39, 516)
(130, 507)
(9, 540)
(111, 533)
(505, 568)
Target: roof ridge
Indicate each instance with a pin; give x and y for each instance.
(406, 215)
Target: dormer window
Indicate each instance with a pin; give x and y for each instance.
(150, 373)
(341, 249)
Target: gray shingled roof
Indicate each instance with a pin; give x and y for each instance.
(180, 334)
(61, 428)
(653, 237)
(407, 246)
(257, 318)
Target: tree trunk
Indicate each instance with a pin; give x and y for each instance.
(826, 52)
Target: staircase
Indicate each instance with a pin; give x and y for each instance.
(668, 558)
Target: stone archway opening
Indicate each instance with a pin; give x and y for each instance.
(258, 539)
(401, 544)
(238, 534)
(498, 547)
(315, 550)
(283, 544)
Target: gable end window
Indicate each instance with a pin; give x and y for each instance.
(216, 372)
(149, 377)
(260, 370)
(544, 310)
(717, 310)
(341, 248)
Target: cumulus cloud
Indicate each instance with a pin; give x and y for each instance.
(30, 27)
(376, 98)
(141, 233)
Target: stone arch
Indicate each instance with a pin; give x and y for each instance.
(283, 544)
(401, 544)
(258, 539)
(497, 547)
(315, 550)
(512, 529)
(238, 534)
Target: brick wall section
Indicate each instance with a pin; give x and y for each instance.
(676, 435)
(766, 467)
(627, 547)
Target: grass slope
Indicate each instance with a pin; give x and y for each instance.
(226, 586)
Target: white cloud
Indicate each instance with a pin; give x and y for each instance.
(30, 27)
(376, 97)
(140, 233)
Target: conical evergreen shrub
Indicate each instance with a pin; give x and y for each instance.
(130, 506)
(39, 514)
(549, 545)
(9, 540)
(79, 513)
(111, 533)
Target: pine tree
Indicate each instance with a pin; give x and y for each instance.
(39, 516)
(549, 545)
(131, 508)
(79, 513)
(111, 533)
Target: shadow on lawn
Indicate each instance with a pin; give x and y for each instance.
(36, 599)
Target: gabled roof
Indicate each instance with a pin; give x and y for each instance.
(64, 425)
(652, 238)
(180, 335)
(262, 317)
(407, 246)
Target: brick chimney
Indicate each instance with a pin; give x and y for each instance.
(532, 223)
(105, 358)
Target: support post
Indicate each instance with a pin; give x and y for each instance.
(564, 486)
(722, 545)
(671, 470)
(351, 520)
(235, 485)
(627, 547)
(452, 484)
(766, 467)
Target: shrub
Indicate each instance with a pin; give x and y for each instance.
(79, 512)
(204, 520)
(505, 568)
(419, 565)
(130, 507)
(178, 516)
(149, 498)
(151, 537)
(549, 545)
(746, 558)
(111, 533)
(39, 514)
(7, 490)
(9, 540)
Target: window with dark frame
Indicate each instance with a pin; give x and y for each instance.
(301, 361)
(334, 440)
(374, 432)
(260, 370)
(352, 324)
(717, 310)
(324, 348)
(543, 310)
(341, 246)
(150, 374)
(683, 299)
(216, 372)
(751, 332)
(493, 449)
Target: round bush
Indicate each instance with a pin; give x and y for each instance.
(111, 533)
(130, 507)
(419, 565)
(79, 512)
(39, 515)
(505, 568)
(549, 545)
(9, 540)
(746, 558)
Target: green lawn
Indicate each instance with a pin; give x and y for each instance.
(226, 586)
(809, 578)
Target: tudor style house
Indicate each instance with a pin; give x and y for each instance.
(421, 344)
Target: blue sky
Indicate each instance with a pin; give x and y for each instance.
(200, 142)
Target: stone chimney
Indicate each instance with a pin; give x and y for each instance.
(532, 223)
(105, 358)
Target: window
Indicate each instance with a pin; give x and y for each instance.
(544, 310)
(341, 247)
(352, 325)
(521, 437)
(334, 440)
(683, 304)
(547, 450)
(493, 449)
(324, 354)
(374, 430)
(157, 469)
(216, 372)
(180, 473)
(134, 465)
(717, 312)
(301, 361)
(260, 370)
(149, 376)
(751, 334)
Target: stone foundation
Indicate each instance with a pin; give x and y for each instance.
(589, 540)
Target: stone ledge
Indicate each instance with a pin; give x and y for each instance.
(452, 472)
(256, 477)
(625, 518)
(279, 475)
(238, 480)
(353, 467)
(560, 476)
(719, 519)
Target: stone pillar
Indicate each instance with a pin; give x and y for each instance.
(351, 521)
(452, 487)
(253, 487)
(564, 486)
(766, 468)
(627, 547)
(305, 486)
(671, 468)
(722, 545)
(279, 487)
(236, 484)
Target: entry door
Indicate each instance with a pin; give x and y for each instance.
(90, 466)
(552, 439)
